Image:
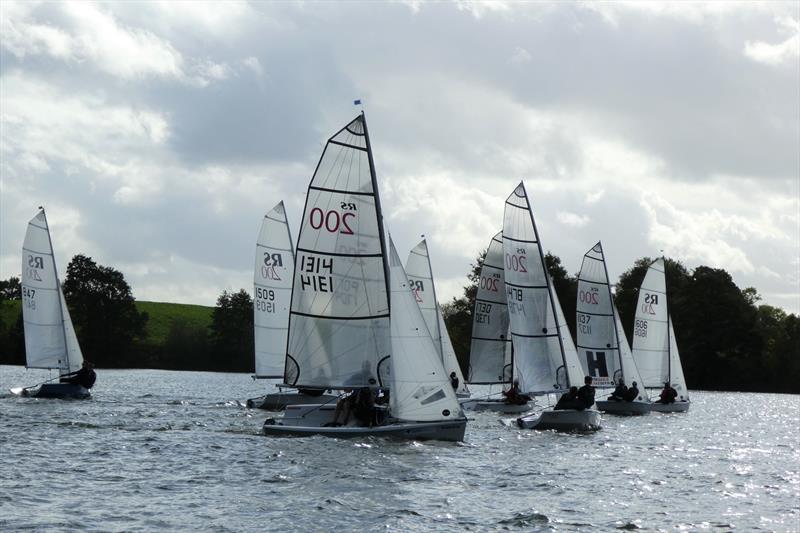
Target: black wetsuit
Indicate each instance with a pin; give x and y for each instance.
(632, 393)
(454, 382)
(586, 396)
(85, 377)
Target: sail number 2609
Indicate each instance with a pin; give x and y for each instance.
(333, 221)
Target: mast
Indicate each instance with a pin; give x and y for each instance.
(613, 312)
(549, 287)
(378, 211)
(58, 290)
(669, 344)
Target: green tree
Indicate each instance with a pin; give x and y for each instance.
(566, 288)
(232, 335)
(103, 311)
(10, 289)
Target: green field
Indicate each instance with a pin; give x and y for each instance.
(162, 315)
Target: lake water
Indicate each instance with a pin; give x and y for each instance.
(159, 450)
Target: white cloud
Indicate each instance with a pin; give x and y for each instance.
(572, 219)
(787, 51)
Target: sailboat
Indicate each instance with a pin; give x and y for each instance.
(50, 340)
(544, 354)
(654, 347)
(491, 359)
(272, 291)
(354, 322)
(420, 275)
(606, 355)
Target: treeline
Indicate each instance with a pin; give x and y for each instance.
(726, 338)
(115, 331)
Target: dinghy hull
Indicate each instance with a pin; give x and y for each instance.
(498, 406)
(562, 420)
(309, 420)
(445, 431)
(613, 407)
(677, 407)
(279, 401)
(67, 391)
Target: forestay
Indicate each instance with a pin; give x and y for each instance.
(50, 340)
(490, 358)
(420, 276)
(675, 372)
(339, 319)
(539, 351)
(272, 279)
(421, 390)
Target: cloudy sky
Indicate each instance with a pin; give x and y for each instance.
(157, 134)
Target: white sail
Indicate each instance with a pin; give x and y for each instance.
(539, 351)
(50, 340)
(490, 358)
(449, 358)
(272, 292)
(421, 390)
(420, 276)
(650, 328)
(598, 343)
(574, 371)
(675, 373)
(339, 319)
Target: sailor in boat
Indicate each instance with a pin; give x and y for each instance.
(85, 376)
(454, 380)
(668, 394)
(360, 403)
(633, 392)
(621, 392)
(513, 395)
(586, 393)
(569, 400)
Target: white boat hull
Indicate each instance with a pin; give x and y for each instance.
(677, 407)
(623, 408)
(498, 406)
(310, 420)
(278, 401)
(562, 420)
(64, 391)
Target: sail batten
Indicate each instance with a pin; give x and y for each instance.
(339, 319)
(272, 284)
(50, 340)
(489, 360)
(544, 355)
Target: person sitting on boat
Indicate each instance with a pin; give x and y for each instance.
(569, 400)
(359, 402)
(514, 396)
(586, 393)
(668, 394)
(85, 376)
(633, 392)
(621, 392)
(454, 380)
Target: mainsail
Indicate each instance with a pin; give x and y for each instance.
(490, 350)
(339, 319)
(421, 390)
(544, 354)
(604, 350)
(420, 276)
(50, 340)
(654, 346)
(272, 280)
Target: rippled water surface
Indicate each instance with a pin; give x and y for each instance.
(158, 450)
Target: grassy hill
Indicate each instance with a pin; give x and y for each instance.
(164, 315)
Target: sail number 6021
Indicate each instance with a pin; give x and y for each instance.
(332, 221)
